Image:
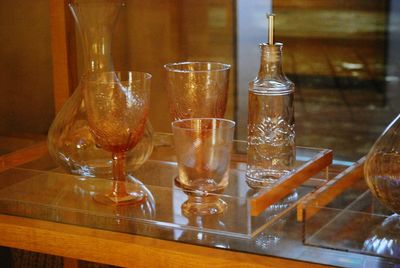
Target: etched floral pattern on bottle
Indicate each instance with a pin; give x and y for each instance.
(271, 127)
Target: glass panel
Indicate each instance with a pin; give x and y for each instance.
(354, 221)
(52, 195)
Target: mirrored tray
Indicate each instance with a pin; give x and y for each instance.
(344, 215)
(42, 190)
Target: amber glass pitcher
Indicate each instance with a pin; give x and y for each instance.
(70, 140)
(382, 167)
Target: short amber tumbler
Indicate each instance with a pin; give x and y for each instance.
(203, 148)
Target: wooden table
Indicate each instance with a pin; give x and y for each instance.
(75, 242)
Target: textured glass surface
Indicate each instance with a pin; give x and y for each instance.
(382, 167)
(271, 123)
(197, 89)
(117, 109)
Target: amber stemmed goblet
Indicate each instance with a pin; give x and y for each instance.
(117, 107)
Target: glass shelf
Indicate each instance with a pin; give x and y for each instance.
(352, 220)
(42, 190)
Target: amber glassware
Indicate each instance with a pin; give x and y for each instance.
(197, 89)
(117, 107)
(203, 148)
(70, 142)
(382, 167)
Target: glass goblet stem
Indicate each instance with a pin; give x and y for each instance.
(119, 174)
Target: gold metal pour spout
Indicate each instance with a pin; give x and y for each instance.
(270, 18)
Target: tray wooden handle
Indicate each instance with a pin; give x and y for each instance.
(325, 194)
(285, 185)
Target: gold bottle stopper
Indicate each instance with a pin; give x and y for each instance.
(270, 18)
(273, 54)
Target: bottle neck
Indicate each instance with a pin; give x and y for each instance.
(97, 52)
(271, 61)
(95, 22)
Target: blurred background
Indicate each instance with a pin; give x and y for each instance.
(342, 55)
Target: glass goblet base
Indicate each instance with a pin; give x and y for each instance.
(120, 200)
(203, 206)
(125, 193)
(200, 203)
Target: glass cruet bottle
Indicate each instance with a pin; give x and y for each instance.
(382, 167)
(271, 150)
(69, 139)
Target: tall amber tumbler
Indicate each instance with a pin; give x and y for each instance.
(197, 89)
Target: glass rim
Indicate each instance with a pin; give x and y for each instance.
(228, 123)
(146, 76)
(277, 44)
(96, 2)
(171, 66)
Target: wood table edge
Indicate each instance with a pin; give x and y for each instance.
(122, 249)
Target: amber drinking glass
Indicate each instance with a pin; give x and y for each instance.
(197, 89)
(117, 107)
(203, 148)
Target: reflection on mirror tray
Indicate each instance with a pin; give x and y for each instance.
(69, 199)
(204, 222)
(86, 190)
(266, 240)
(94, 214)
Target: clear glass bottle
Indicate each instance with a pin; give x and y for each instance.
(69, 139)
(271, 150)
